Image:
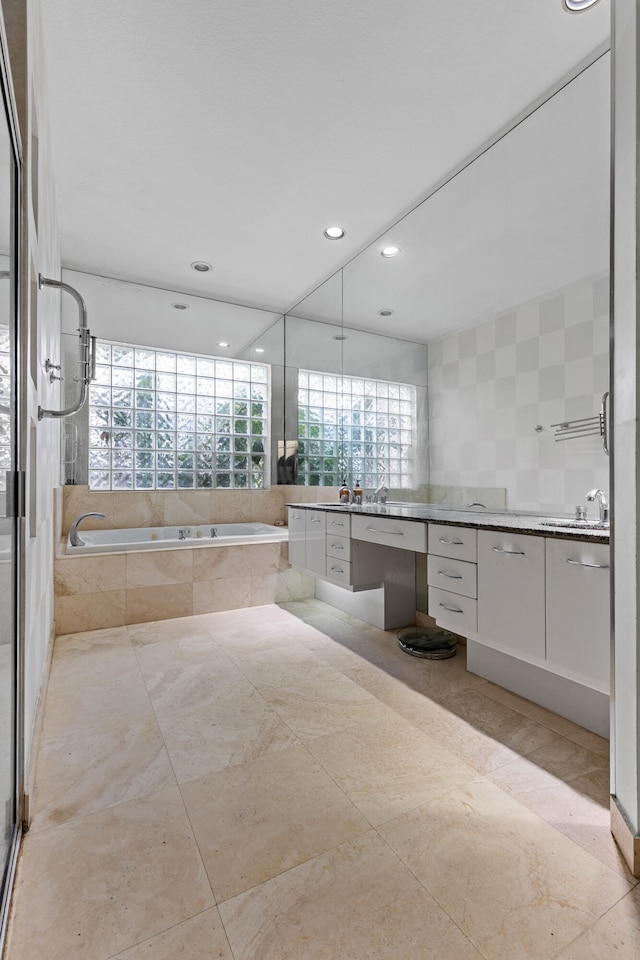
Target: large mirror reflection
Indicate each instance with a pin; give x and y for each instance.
(441, 371)
(503, 274)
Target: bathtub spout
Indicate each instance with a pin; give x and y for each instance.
(74, 536)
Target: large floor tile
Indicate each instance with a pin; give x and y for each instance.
(238, 725)
(356, 902)
(519, 889)
(90, 657)
(437, 679)
(200, 938)
(616, 934)
(180, 628)
(194, 686)
(278, 669)
(388, 767)
(323, 704)
(81, 775)
(95, 886)
(258, 819)
(76, 709)
(481, 731)
(568, 787)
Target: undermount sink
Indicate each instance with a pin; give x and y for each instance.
(574, 524)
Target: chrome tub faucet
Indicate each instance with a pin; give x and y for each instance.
(74, 536)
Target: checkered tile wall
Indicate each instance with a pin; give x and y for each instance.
(543, 362)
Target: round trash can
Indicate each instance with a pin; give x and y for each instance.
(431, 643)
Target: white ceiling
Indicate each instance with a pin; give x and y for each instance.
(235, 131)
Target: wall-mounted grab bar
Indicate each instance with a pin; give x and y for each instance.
(86, 347)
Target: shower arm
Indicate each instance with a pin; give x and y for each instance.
(87, 352)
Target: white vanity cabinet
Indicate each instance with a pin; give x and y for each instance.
(307, 548)
(367, 572)
(578, 603)
(511, 593)
(452, 577)
(390, 532)
(297, 537)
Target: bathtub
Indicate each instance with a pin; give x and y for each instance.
(161, 538)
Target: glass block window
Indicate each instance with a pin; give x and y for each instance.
(354, 429)
(164, 421)
(5, 403)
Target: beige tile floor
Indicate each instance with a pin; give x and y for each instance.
(284, 783)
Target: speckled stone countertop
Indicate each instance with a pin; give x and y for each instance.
(535, 524)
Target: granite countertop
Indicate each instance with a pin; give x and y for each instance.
(536, 524)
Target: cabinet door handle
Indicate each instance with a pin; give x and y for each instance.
(450, 576)
(336, 523)
(453, 543)
(391, 533)
(337, 569)
(337, 546)
(450, 609)
(595, 566)
(515, 553)
(295, 516)
(314, 520)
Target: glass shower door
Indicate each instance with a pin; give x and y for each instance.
(9, 523)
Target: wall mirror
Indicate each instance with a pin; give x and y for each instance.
(503, 273)
(448, 365)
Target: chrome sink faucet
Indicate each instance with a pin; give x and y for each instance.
(603, 503)
(74, 536)
(380, 493)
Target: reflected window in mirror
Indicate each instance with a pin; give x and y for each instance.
(354, 428)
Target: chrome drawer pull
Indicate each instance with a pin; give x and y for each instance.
(450, 576)
(450, 609)
(296, 516)
(596, 566)
(515, 553)
(336, 523)
(337, 569)
(391, 533)
(453, 543)
(314, 520)
(337, 546)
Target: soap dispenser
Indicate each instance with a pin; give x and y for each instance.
(345, 494)
(357, 493)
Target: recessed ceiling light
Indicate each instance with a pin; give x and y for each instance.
(201, 266)
(390, 252)
(385, 313)
(222, 343)
(180, 306)
(333, 233)
(259, 349)
(339, 336)
(575, 6)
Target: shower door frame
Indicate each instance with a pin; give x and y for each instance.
(15, 478)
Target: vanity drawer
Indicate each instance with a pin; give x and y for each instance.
(340, 524)
(339, 571)
(456, 613)
(338, 547)
(459, 543)
(456, 576)
(403, 534)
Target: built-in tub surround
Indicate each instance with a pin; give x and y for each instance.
(114, 589)
(94, 591)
